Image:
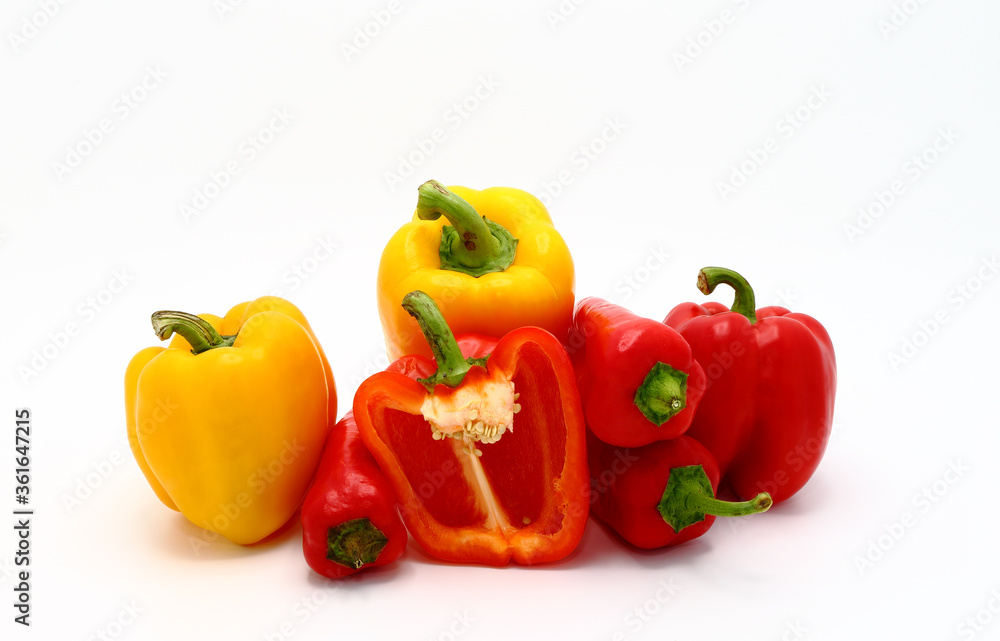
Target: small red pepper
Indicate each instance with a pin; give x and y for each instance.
(486, 454)
(638, 379)
(772, 377)
(349, 516)
(659, 494)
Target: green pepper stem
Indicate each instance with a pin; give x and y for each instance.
(663, 393)
(716, 507)
(451, 365)
(688, 497)
(196, 331)
(743, 303)
(472, 244)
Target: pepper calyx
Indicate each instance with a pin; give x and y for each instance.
(662, 394)
(471, 244)
(354, 543)
(688, 498)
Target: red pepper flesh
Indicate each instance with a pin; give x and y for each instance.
(523, 497)
(349, 516)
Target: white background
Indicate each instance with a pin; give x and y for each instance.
(835, 562)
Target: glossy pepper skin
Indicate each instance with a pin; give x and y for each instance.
(486, 455)
(660, 494)
(772, 376)
(490, 259)
(349, 517)
(638, 379)
(230, 436)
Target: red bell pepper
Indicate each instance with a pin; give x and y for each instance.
(349, 516)
(772, 376)
(659, 494)
(486, 454)
(638, 379)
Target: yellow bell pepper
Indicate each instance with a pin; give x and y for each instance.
(490, 259)
(228, 422)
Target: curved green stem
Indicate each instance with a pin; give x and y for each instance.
(354, 543)
(743, 303)
(196, 331)
(663, 393)
(688, 497)
(471, 244)
(711, 505)
(451, 365)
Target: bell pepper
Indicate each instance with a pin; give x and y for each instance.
(660, 494)
(638, 379)
(772, 376)
(349, 516)
(498, 264)
(486, 454)
(228, 422)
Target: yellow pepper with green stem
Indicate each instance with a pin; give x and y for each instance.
(227, 423)
(490, 259)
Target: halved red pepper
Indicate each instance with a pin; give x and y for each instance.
(487, 454)
(660, 494)
(772, 378)
(638, 379)
(349, 516)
